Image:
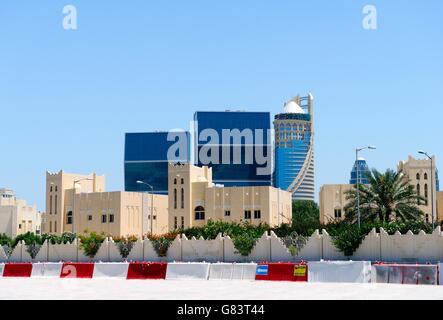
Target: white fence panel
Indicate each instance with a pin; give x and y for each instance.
(195, 271)
(339, 271)
(46, 270)
(232, 271)
(111, 270)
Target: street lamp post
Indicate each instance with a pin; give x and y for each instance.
(152, 205)
(358, 180)
(73, 201)
(432, 185)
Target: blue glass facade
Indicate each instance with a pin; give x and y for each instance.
(294, 149)
(363, 171)
(146, 159)
(240, 173)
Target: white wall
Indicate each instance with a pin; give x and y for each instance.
(375, 247)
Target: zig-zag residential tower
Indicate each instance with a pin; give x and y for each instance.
(294, 148)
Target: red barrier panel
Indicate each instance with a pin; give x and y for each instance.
(17, 270)
(146, 270)
(77, 270)
(282, 272)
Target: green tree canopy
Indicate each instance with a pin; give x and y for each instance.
(387, 197)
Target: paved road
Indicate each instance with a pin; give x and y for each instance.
(103, 289)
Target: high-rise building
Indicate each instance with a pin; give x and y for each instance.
(294, 148)
(146, 159)
(229, 143)
(363, 171)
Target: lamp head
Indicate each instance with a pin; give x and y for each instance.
(140, 182)
(372, 147)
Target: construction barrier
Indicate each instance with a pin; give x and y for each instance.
(440, 274)
(17, 270)
(111, 270)
(286, 271)
(232, 271)
(2, 266)
(195, 271)
(405, 274)
(147, 270)
(77, 270)
(46, 270)
(340, 271)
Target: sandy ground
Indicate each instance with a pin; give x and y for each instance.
(117, 289)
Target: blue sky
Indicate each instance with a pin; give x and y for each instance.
(68, 97)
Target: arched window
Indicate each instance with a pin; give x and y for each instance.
(426, 176)
(175, 198)
(418, 176)
(50, 204)
(183, 198)
(55, 205)
(175, 181)
(199, 213)
(183, 181)
(50, 189)
(418, 193)
(69, 218)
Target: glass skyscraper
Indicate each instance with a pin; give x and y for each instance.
(294, 148)
(363, 171)
(225, 169)
(146, 159)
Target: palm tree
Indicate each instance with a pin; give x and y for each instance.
(387, 197)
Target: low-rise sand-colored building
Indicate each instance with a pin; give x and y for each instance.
(79, 203)
(16, 216)
(194, 199)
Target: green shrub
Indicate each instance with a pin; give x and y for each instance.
(91, 242)
(125, 245)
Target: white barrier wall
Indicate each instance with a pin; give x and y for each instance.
(111, 270)
(232, 271)
(440, 274)
(190, 270)
(339, 271)
(420, 248)
(46, 270)
(2, 266)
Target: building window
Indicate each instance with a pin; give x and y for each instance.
(418, 194)
(337, 213)
(50, 226)
(19, 225)
(248, 214)
(50, 205)
(199, 213)
(227, 213)
(175, 223)
(257, 214)
(182, 181)
(183, 222)
(175, 198)
(50, 189)
(55, 226)
(89, 217)
(183, 198)
(418, 176)
(111, 218)
(426, 176)
(69, 218)
(55, 205)
(427, 218)
(104, 218)
(175, 181)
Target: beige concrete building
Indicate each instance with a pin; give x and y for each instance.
(439, 206)
(93, 209)
(419, 173)
(333, 201)
(60, 188)
(16, 216)
(119, 213)
(194, 199)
